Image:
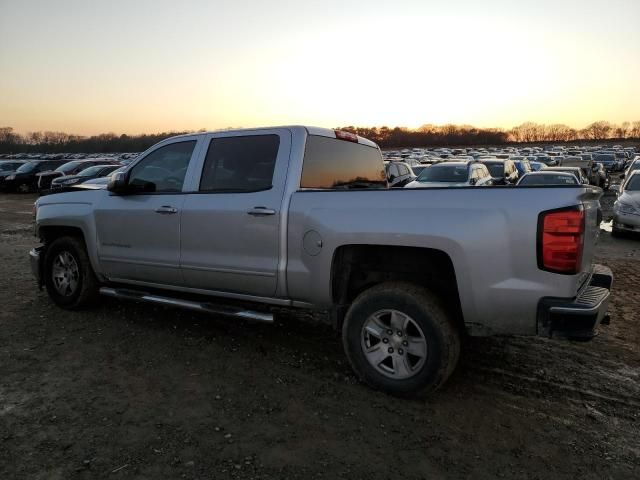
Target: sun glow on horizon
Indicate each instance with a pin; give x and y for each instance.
(87, 69)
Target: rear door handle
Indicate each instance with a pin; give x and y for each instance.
(261, 211)
(166, 209)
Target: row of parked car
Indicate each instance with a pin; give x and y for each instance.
(40, 174)
(419, 168)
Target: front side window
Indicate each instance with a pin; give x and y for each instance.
(163, 170)
(240, 164)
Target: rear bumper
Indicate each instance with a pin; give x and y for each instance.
(577, 318)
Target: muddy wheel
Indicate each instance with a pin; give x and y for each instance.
(68, 275)
(399, 339)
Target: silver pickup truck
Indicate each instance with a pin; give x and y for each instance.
(246, 222)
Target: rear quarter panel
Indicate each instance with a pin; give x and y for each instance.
(490, 235)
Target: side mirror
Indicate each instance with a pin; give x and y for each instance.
(117, 183)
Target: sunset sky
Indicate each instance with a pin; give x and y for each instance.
(133, 66)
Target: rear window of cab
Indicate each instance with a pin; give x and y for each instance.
(331, 163)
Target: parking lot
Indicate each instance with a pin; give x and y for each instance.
(127, 390)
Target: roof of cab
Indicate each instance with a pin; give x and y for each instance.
(320, 131)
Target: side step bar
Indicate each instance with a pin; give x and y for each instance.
(228, 311)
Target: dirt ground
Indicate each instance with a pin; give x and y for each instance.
(132, 391)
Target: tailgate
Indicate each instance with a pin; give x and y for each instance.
(592, 217)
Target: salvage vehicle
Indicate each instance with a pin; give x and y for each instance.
(548, 177)
(502, 171)
(398, 173)
(72, 167)
(96, 171)
(247, 222)
(453, 174)
(626, 209)
(609, 161)
(575, 171)
(25, 178)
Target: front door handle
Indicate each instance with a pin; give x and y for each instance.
(166, 210)
(261, 211)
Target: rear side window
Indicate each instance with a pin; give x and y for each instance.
(240, 164)
(337, 164)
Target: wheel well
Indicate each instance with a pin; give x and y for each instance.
(356, 268)
(50, 233)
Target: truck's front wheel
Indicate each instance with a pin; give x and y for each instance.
(68, 275)
(399, 339)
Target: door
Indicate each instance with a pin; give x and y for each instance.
(139, 232)
(230, 227)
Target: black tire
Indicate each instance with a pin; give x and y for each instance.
(616, 233)
(86, 286)
(423, 308)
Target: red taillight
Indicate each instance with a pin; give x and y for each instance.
(561, 240)
(348, 136)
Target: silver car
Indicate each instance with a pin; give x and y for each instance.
(626, 209)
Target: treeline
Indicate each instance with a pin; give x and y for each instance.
(462, 135)
(60, 142)
(425, 136)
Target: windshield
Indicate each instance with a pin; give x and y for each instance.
(444, 173)
(67, 167)
(546, 179)
(27, 167)
(634, 184)
(605, 157)
(496, 169)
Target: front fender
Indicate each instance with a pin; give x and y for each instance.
(68, 212)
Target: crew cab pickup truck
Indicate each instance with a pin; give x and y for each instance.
(246, 222)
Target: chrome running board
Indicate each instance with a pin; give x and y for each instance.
(228, 311)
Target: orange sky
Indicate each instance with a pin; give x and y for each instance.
(147, 66)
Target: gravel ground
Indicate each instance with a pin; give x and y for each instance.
(131, 391)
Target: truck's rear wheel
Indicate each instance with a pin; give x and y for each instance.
(399, 339)
(68, 275)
